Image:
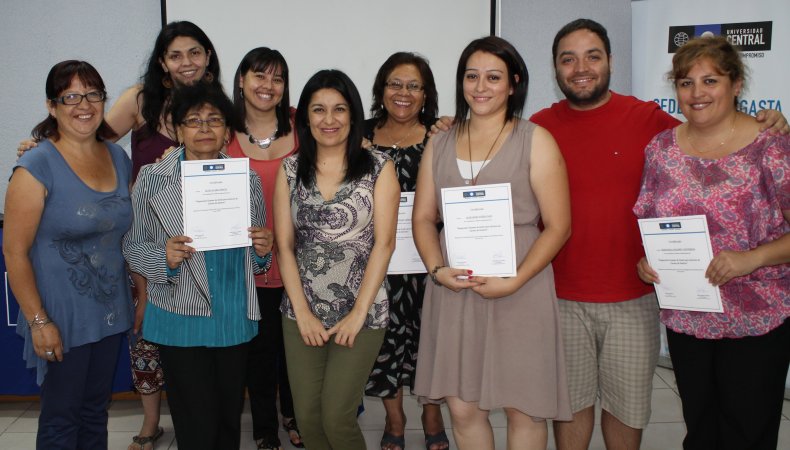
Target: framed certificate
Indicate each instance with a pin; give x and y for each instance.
(216, 202)
(679, 249)
(478, 228)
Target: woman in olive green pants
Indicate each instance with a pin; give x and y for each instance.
(333, 254)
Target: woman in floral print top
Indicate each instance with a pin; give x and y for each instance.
(336, 207)
(730, 367)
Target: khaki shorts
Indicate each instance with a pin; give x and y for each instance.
(611, 351)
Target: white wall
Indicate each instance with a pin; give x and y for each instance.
(117, 36)
(531, 25)
(113, 35)
(351, 35)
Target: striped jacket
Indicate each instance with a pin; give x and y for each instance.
(157, 207)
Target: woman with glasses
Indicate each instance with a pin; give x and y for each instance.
(405, 104)
(335, 213)
(203, 309)
(67, 208)
(262, 103)
(182, 55)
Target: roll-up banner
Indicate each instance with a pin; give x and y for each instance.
(761, 29)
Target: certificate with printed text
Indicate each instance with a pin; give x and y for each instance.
(478, 228)
(679, 250)
(216, 203)
(405, 258)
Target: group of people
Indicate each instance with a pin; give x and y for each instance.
(308, 308)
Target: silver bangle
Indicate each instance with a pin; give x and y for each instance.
(40, 320)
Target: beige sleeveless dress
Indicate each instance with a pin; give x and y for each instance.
(505, 352)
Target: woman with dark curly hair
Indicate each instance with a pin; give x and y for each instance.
(203, 309)
(405, 104)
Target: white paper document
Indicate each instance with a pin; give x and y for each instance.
(405, 258)
(679, 249)
(216, 203)
(478, 228)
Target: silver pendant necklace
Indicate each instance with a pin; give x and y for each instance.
(264, 143)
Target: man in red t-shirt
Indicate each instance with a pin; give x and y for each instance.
(609, 317)
(610, 323)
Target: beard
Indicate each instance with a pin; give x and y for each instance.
(585, 98)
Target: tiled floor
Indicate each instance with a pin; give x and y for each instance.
(665, 431)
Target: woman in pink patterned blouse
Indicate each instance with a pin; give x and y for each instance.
(730, 367)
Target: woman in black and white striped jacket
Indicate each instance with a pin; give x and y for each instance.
(202, 305)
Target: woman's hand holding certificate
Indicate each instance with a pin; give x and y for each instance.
(478, 227)
(678, 249)
(216, 202)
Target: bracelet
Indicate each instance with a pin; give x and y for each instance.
(39, 322)
(433, 275)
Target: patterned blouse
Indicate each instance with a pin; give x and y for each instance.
(742, 195)
(333, 242)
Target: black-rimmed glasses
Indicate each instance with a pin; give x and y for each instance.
(76, 99)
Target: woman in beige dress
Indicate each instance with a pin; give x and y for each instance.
(491, 342)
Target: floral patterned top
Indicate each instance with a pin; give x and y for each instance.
(333, 241)
(742, 195)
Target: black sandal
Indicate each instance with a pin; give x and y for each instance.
(390, 439)
(439, 438)
(142, 441)
(268, 443)
(290, 427)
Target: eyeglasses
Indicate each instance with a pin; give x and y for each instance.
(412, 86)
(76, 99)
(213, 122)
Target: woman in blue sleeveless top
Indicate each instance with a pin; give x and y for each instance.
(67, 209)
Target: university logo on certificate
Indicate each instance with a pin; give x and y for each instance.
(478, 228)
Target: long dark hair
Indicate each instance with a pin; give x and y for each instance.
(263, 59)
(154, 94)
(516, 68)
(359, 161)
(430, 108)
(59, 79)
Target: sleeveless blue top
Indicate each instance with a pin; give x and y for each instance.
(79, 269)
